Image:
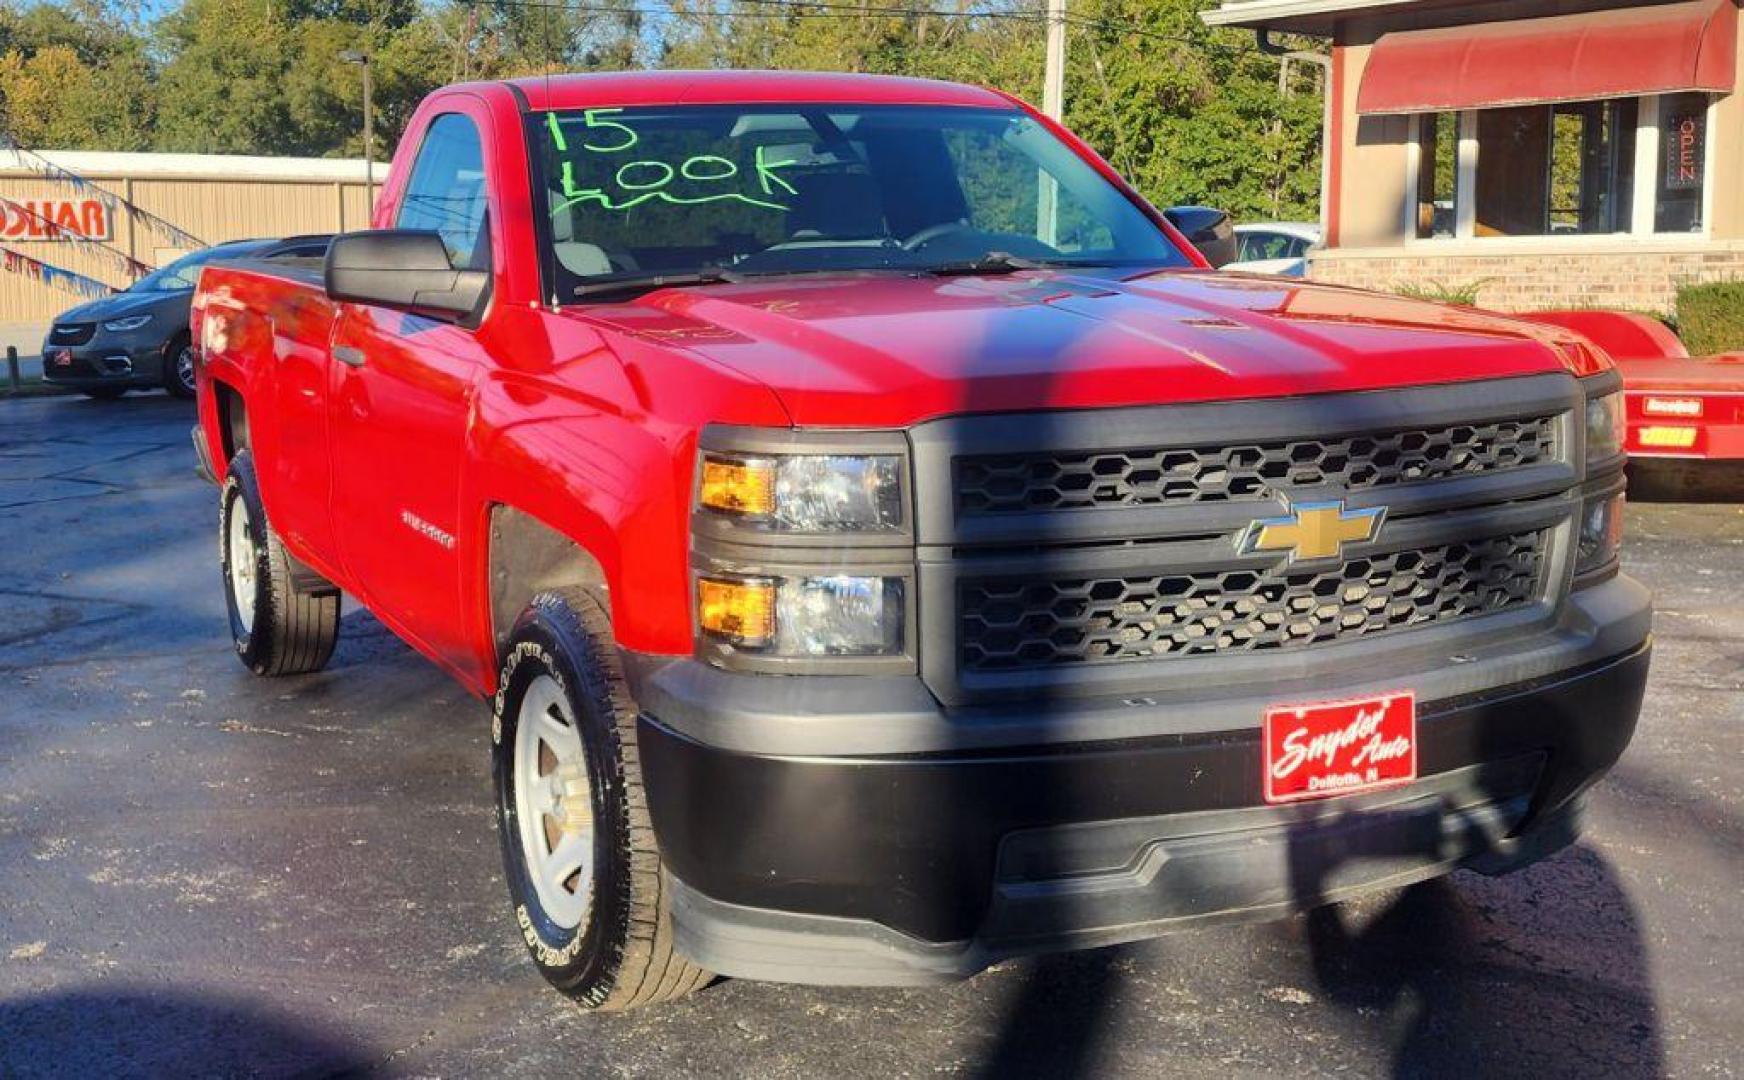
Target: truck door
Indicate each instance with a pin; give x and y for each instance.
(401, 396)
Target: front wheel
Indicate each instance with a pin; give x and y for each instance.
(277, 627)
(579, 852)
(178, 367)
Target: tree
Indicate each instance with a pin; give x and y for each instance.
(1189, 114)
(75, 76)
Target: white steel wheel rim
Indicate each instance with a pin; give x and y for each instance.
(185, 367)
(240, 540)
(554, 803)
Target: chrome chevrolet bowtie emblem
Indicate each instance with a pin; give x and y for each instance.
(1312, 531)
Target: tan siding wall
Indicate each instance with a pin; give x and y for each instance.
(213, 208)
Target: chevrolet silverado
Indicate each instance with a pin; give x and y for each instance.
(887, 545)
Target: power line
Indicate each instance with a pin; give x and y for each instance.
(825, 9)
(789, 9)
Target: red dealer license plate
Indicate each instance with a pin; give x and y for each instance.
(1340, 747)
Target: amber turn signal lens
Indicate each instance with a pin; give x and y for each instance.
(738, 487)
(742, 612)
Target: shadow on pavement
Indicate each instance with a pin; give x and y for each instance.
(131, 1031)
(1453, 991)
(1419, 969)
(1058, 1017)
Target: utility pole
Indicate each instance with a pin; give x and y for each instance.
(353, 56)
(1054, 106)
(1054, 75)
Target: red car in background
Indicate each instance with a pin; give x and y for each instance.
(1685, 415)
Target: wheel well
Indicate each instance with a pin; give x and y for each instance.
(528, 557)
(232, 419)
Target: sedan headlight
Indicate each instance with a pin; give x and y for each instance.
(834, 615)
(805, 493)
(1601, 534)
(1605, 425)
(130, 322)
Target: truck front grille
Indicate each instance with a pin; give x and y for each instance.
(1093, 552)
(1254, 471)
(1024, 623)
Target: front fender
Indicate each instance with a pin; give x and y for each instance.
(601, 449)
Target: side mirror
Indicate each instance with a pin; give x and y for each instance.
(1210, 230)
(404, 269)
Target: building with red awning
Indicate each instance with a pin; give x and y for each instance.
(1555, 153)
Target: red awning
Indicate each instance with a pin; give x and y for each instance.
(1600, 54)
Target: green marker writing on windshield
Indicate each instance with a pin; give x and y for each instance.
(649, 178)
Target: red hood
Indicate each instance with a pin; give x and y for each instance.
(889, 350)
(1676, 374)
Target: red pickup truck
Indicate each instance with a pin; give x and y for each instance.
(888, 547)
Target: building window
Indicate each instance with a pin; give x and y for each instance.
(1563, 170)
(1592, 166)
(1683, 146)
(1437, 173)
(1555, 169)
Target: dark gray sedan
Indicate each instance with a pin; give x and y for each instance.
(138, 338)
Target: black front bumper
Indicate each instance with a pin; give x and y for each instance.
(109, 359)
(916, 867)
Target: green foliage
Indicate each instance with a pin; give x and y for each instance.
(75, 75)
(1710, 317)
(1192, 115)
(1464, 294)
(1189, 114)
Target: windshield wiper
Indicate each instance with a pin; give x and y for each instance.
(644, 282)
(996, 262)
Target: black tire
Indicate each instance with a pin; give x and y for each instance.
(178, 367)
(286, 631)
(104, 393)
(620, 954)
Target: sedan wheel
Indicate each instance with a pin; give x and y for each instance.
(178, 368)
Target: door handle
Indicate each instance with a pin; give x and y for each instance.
(346, 354)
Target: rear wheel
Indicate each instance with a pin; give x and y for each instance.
(178, 367)
(581, 861)
(278, 628)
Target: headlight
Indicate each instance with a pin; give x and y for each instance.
(1604, 426)
(837, 615)
(807, 493)
(1601, 534)
(131, 322)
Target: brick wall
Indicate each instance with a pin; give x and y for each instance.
(1645, 280)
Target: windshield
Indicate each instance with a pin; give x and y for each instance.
(641, 192)
(184, 273)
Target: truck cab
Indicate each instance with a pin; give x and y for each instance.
(888, 547)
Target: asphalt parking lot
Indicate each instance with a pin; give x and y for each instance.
(202, 872)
